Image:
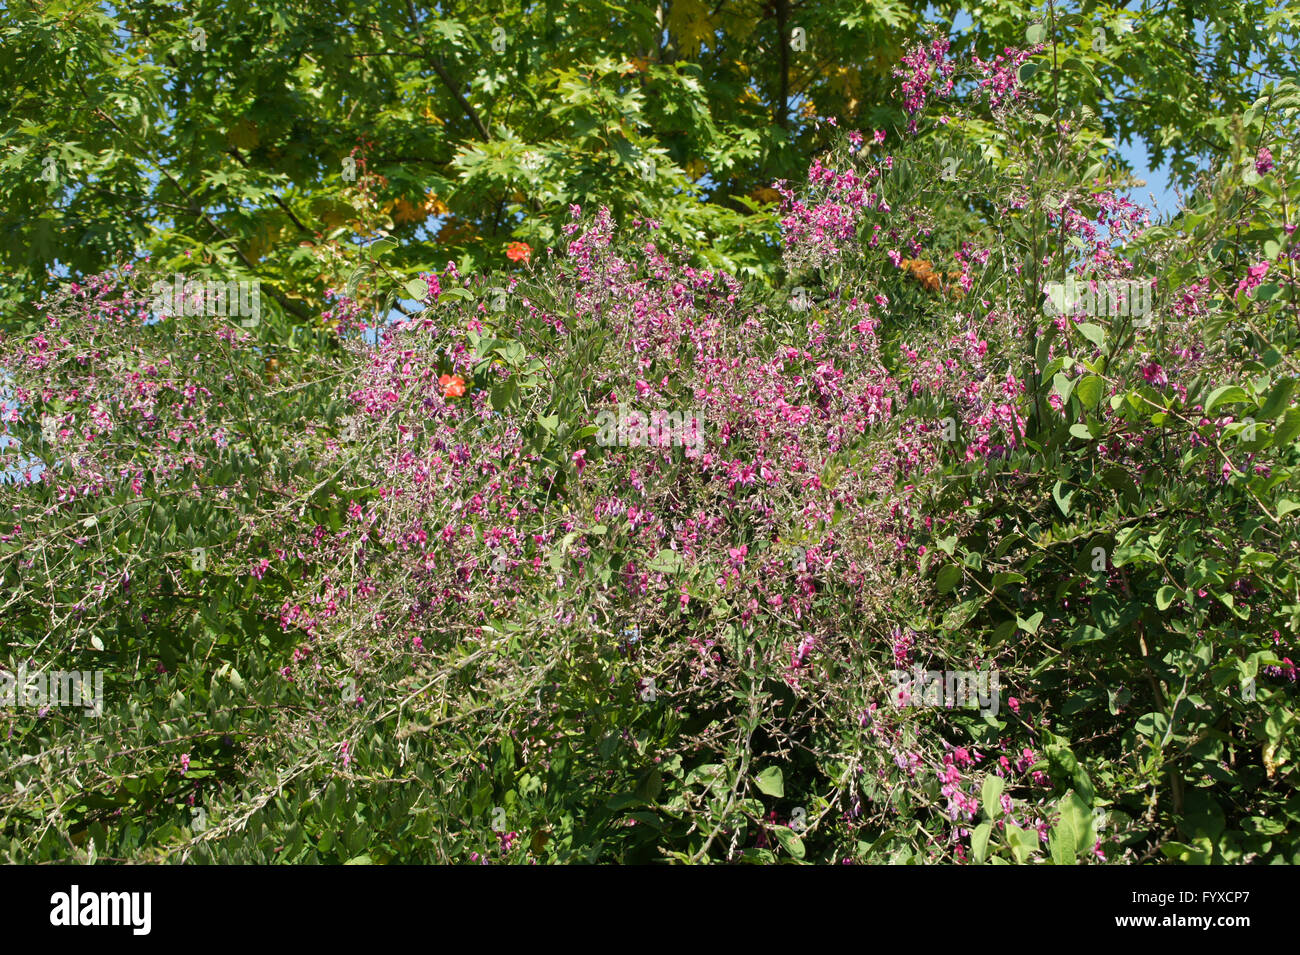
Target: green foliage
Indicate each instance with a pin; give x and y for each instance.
(297, 675)
(221, 136)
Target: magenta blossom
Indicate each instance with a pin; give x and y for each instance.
(1155, 375)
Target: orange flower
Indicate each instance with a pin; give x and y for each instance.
(923, 272)
(453, 386)
(518, 251)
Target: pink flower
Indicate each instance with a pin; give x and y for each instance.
(1263, 160)
(433, 288)
(1155, 375)
(580, 460)
(185, 763)
(1254, 276)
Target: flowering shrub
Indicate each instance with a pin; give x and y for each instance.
(437, 619)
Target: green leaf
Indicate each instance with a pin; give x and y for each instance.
(1022, 843)
(503, 394)
(1030, 625)
(1061, 841)
(667, 562)
(979, 841)
(1278, 399)
(1152, 724)
(1076, 816)
(1084, 633)
(1063, 386)
(1062, 500)
(948, 578)
(1089, 390)
(1094, 333)
(1165, 596)
(771, 781)
(790, 841)
(1285, 432)
(959, 615)
(991, 793)
(1225, 395)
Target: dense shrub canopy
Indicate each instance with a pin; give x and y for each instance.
(409, 602)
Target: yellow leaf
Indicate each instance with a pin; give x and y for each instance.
(846, 80)
(405, 212)
(243, 135)
(456, 230)
(689, 22)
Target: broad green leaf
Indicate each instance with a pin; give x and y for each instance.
(948, 578)
(771, 781)
(1226, 394)
(1165, 596)
(991, 793)
(979, 841)
(1094, 333)
(1030, 625)
(790, 841)
(1090, 390)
